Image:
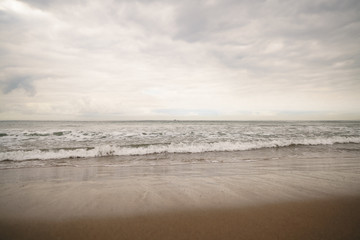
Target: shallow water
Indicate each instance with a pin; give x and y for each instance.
(130, 185)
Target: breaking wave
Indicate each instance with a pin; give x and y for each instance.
(113, 150)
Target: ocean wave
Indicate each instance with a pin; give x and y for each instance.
(111, 150)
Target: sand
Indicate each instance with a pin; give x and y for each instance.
(282, 198)
(321, 219)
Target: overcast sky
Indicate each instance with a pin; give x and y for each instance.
(170, 59)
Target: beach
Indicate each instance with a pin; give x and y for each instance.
(326, 219)
(305, 192)
(169, 120)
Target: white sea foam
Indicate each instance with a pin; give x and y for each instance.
(113, 150)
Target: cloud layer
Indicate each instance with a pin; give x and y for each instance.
(163, 59)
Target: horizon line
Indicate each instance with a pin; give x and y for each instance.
(186, 120)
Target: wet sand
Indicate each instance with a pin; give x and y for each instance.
(286, 197)
(319, 219)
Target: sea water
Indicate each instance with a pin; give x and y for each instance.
(49, 140)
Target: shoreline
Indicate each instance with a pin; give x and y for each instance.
(103, 187)
(277, 194)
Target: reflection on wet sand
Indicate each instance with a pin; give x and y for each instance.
(98, 194)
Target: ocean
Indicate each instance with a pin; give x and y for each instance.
(40, 143)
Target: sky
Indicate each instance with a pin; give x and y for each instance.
(186, 60)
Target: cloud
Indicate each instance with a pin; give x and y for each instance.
(187, 112)
(19, 82)
(144, 59)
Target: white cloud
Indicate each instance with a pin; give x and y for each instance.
(155, 59)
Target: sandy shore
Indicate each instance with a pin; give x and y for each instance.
(255, 198)
(321, 219)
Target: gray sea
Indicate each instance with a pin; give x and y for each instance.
(40, 143)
